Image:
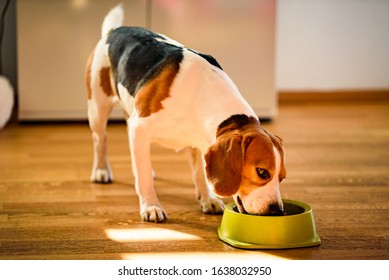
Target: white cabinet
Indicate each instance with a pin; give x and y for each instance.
(56, 37)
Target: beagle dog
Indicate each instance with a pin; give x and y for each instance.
(180, 98)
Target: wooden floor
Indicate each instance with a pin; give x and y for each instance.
(337, 161)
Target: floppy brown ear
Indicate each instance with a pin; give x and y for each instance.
(224, 165)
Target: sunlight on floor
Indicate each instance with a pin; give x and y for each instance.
(148, 234)
(162, 234)
(241, 255)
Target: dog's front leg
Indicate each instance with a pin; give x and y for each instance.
(150, 207)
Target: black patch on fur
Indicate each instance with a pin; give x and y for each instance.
(208, 58)
(137, 57)
(238, 120)
(235, 122)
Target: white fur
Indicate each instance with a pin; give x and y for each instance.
(112, 20)
(6, 101)
(168, 40)
(126, 100)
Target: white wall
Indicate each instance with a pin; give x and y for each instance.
(332, 44)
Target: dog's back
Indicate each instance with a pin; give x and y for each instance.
(148, 72)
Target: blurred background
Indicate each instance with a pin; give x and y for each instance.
(269, 48)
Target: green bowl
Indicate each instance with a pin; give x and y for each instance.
(294, 230)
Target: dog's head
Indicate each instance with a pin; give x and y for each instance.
(247, 163)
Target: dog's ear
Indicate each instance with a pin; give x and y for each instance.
(224, 165)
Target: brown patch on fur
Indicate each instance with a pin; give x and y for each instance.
(106, 81)
(277, 142)
(149, 98)
(88, 74)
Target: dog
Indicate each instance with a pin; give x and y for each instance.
(180, 98)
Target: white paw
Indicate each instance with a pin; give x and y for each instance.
(102, 176)
(212, 205)
(153, 213)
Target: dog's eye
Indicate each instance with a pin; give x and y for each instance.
(263, 173)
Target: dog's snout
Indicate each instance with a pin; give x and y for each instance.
(275, 210)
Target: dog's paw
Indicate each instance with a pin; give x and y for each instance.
(101, 176)
(153, 213)
(212, 205)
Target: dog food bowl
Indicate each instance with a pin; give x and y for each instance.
(294, 230)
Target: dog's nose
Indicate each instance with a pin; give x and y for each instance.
(275, 210)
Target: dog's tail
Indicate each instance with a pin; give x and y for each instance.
(112, 20)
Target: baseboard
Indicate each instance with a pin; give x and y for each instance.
(333, 96)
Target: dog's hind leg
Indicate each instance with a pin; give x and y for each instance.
(98, 117)
(100, 103)
(208, 201)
